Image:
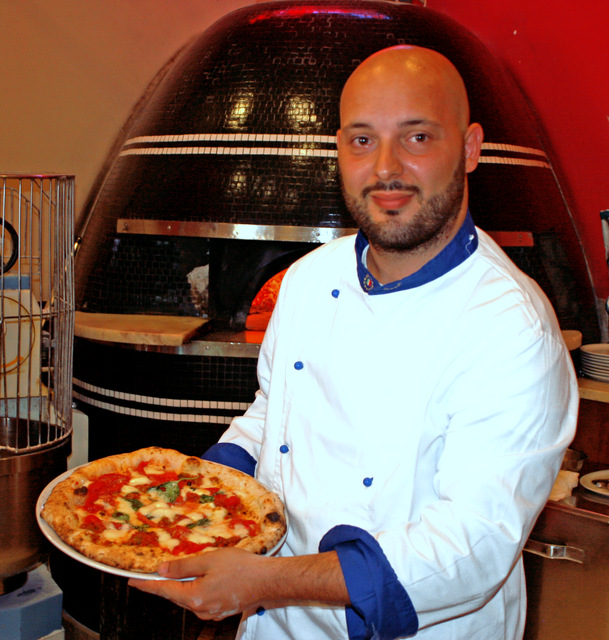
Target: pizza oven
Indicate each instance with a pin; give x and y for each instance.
(226, 173)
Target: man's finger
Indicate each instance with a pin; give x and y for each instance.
(158, 587)
(183, 594)
(185, 567)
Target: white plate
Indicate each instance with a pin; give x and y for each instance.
(55, 540)
(592, 373)
(600, 349)
(588, 357)
(595, 360)
(603, 371)
(595, 355)
(596, 376)
(595, 370)
(587, 481)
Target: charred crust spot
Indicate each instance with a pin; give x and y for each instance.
(81, 491)
(273, 517)
(262, 551)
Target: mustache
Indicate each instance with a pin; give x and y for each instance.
(395, 185)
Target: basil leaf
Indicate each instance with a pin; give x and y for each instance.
(168, 491)
(205, 498)
(203, 522)
(121, 516)
(135, 503)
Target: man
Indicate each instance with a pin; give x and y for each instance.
(415, 398)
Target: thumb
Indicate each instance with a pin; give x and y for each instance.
(183, 568)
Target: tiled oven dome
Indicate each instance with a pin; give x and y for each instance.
(238, 129)
(226, 173)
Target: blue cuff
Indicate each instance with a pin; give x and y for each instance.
(232, 455)
(380, 606)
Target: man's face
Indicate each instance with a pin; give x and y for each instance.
(401, 152)
(395, 232)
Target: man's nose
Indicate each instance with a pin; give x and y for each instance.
(388, 164)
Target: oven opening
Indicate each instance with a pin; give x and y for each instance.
(263, 304)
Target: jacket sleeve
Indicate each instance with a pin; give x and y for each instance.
(380, 607)
(231, 455)
(510, 417)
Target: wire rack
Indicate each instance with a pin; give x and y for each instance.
(36, 310)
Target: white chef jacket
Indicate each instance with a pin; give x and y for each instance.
(421, 428)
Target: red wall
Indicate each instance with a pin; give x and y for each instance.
(558, 52)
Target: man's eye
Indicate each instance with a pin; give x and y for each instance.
(361, 141)
(420, 137)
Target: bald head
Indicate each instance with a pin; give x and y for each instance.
(411, 70)
(405, 148)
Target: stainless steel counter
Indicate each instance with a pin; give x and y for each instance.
(567, 568)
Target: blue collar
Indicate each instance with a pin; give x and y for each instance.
(453, 254)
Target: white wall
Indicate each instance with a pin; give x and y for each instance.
(72, 70)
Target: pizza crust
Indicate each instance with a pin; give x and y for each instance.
(63, 509)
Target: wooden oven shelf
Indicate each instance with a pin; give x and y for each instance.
(137, 329)
(593, 390)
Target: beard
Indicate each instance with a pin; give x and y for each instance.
(432, 222)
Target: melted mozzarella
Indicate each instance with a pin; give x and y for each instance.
(154, 469)
(114, 534)
(156, 512)
(197, 537)
(124, 506)
(136, 481)
(165, 540)
(197, 515)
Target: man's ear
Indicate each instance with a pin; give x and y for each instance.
(473, 144)
(338, 134)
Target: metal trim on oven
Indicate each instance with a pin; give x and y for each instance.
(219, 348)
(224, 230)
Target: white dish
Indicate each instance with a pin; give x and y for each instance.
(594, 358)
(604, 371)
(591, 373)
(588, 368)
(589, 357)
(600, 349)
(596, 376)
(56, 541)
(588, 480)
(595, 355)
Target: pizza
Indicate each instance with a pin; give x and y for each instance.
(135, 510)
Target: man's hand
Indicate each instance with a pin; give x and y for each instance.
(224, 586)
(230, 581)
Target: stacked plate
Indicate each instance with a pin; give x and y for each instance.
(595, 361)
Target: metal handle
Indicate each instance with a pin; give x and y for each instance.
(14, 244)
(555, 551)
